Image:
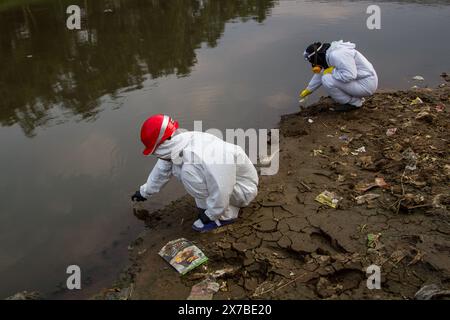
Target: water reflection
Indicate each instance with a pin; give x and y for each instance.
(44, 65)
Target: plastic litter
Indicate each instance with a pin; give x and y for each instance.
(345, 138)
(411, 157)
(418, 78)
(183, 255)
(440, 108)
(359, 150)
(366, 198)
(373, 240)
(222, 272)
(431, 291)
(317, 152)
(379, 182)
(391, 131)
(328, 198)
(204, 290)
(416, 101)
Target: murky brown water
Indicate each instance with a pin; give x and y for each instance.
(72, 103)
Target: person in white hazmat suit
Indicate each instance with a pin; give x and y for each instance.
(344, 72)
(219, 175)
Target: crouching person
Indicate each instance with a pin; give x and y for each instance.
(344, 72)
(219, 175)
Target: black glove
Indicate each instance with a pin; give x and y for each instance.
(138, 197)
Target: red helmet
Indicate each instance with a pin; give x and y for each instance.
(156, 130)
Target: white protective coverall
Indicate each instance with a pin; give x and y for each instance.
(219, 175)
(353, 78)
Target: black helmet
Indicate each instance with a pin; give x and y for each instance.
(316, 54)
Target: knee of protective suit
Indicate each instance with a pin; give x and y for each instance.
(373, 85)
(333, 91)
(194, 183)
(328, 81)
(242, 196)
(251, 195)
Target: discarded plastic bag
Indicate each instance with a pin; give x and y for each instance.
(317, 152)
(379, 182)
(440, 108)
(328, 198)
(411, 157)
(222, 272)
(345, 138)
(391, 131)
(366, 198)
(359, 150)
(416, 101)
(204, 290)
(431, 291)
(373, 240)
(183, 255)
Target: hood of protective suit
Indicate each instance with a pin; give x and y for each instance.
(171, 149)
(349, 63)
(341, 45)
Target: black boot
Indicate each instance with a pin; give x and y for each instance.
(344, 107)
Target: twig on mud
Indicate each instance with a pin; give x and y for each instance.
(329, 175)
(324, 124)
(401, 181)
(420, 206)
(269, 204)
(131, 291)
(292, 281)
(305, 185)
(418, 257)
(275, 288)
(403, 192)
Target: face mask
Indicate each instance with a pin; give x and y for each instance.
(316, 69)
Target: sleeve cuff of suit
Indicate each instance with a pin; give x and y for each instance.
(143, 191)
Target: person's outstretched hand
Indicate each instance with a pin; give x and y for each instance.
(305, 93)
(138, 197)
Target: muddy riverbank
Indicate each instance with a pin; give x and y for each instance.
(388, 164)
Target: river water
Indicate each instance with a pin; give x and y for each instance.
(72, 102)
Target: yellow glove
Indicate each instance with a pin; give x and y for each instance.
(329, 70)
(305, 93)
